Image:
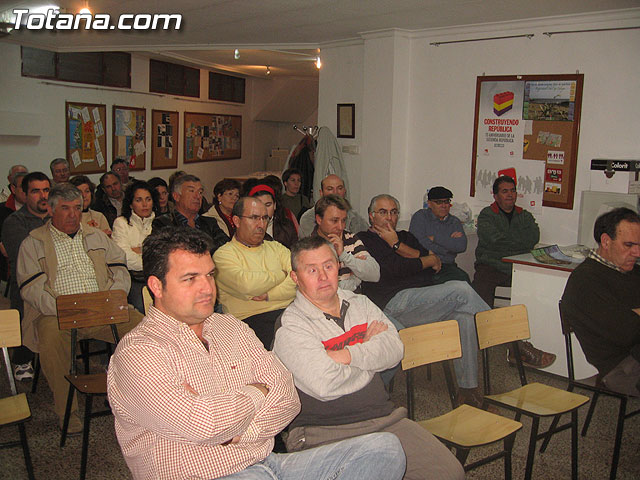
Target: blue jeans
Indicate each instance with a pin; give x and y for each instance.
(454, 300)
(373, 456)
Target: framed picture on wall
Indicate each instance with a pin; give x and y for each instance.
(346, 120)
(164, 139)
(86, 139)
(212, 136)
(129, 135)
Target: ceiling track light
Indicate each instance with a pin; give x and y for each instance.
(236, 54)
(318, 62)
(85, 9)
(268, 72)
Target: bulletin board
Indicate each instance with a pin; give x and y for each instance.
(527, 126)
(210, 137)
(130, 135)
(86, 138)
(164, 139)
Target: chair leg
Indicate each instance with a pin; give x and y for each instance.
(550, 433)
(67, 415)
(618, 442)
(462, 454)
(574, 444)
(25, 451)
(592, 407)
(409, 380)
(36, 372)
(85, 436)
(508, 448)
(535, 422)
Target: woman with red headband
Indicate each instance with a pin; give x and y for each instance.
(280, 228)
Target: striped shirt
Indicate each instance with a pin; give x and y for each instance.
(167, 432)
(75, 269)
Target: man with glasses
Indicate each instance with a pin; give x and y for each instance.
(505, 229)
(120, 167)
(407, 295)
(441, 233)
(252, 275)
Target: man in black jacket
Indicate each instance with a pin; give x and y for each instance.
(602, 301)
(109, 197)
(187, 194)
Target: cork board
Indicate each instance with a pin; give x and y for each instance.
(164, 139)
(211, 136)
(129, 129)
(86, 125)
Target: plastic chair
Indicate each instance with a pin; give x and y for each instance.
(594, 384)
(82, 311)
(464, 427)
(510, 324)
(14, 410)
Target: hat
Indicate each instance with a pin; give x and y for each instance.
(438, 193)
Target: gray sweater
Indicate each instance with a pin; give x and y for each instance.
(425, 224)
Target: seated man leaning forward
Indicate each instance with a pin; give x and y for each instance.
(64, 257)
(442, 233)
(602, 301)
(356, 265)
(195, 395)
(335, 343)
(252, 274)
(408, 296)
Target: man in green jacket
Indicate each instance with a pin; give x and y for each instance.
(505, 229)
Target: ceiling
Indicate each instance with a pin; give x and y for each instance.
(284, 34)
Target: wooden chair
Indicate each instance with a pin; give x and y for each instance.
(510, 324)
(594, 384)
(14, 410)
(146, 299)
(464, 427)
(82, 311)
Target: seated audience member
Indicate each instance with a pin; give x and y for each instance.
(161, 203)
(602, 301)
(59, 258)
(33, 214)
(252, 275)
(130, 230)
(331, 185)
(91, 218)
(505, 229)
(225, 195)
(276, 183)
(172, 178)
(336, 343)
(407, 295)
(9, 189)
(280, 227)
(441, 233)
(173, 383)
(109, 196)
(120, 166)
(16, 199)
(292, 198)
(59, 170)
(187, 196)
(356, 265)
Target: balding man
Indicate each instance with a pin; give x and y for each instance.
(59, 170)
(7, 191)
(332, 185)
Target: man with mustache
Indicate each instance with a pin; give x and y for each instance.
(252, 275)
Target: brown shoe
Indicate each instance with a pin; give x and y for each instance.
(473, 397)
(532, 356)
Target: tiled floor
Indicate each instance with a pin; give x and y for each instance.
(106, 462)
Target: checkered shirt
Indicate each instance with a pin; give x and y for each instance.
(75, 269)
(594, 255)
(167, 432)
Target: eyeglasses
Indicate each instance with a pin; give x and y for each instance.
(255, 218)
(441, 202)
(383, 213)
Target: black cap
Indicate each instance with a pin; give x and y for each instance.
(439, 193)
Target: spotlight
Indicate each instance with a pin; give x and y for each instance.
(236, 54)
(318, 62)
(268, 72)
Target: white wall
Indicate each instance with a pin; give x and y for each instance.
(22, 95)
(440, 105)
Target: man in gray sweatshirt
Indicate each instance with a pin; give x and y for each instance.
(336, 343)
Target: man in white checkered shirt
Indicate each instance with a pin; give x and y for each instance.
(195, 394)
(59, 258)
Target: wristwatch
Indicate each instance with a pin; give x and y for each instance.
(396, 245)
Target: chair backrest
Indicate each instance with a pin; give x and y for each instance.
(430, 343)
(10, 328)
(146, 299)
(502, 325)
(9, 337)
(92, 309)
